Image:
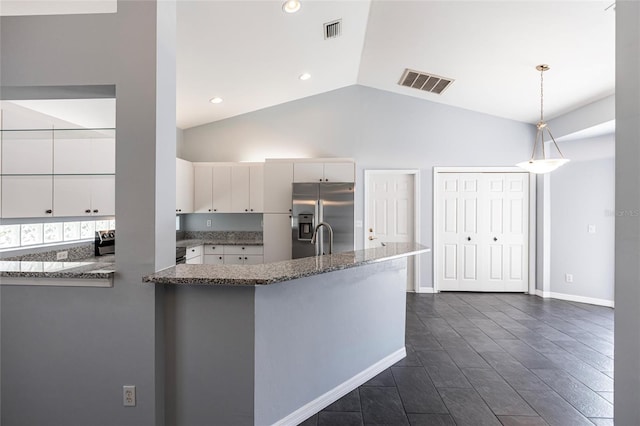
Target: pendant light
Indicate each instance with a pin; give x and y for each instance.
(544, 164)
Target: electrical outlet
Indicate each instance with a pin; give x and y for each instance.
(591, 229)
(129, 396)
(62, 255)
(568, 278)
(209, 223)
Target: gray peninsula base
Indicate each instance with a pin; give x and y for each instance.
(277, 354)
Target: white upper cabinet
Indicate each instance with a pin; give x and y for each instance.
(84, 152)
(221, 189)
(240, 189)
(27, 196)
(84, 195)
(308, 172)
(278, 176)
(311, 171)
(339, 172)
(184, 186)
(202, 188)
(256, 187)
(27, 152)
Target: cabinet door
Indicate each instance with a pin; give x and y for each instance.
(308, 172)
(278, 177)
(253, 260)
(233, 259)
(28, 152)
(103, 154)
(27, 196)
(240, 189)
(277, 237)
(222, 189)
(184, 186)
(213, 259)
(339, 172)
(103, 195)
(202, 189)
(71, 196)
(72, 155)
(256, 188)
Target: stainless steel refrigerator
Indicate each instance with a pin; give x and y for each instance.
(322, 202)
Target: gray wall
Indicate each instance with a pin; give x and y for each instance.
(627, 275)
(221, 222)
(344, 322)
(88, 343)
(380, 130)
(582, 194)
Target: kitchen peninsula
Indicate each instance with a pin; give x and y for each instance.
(275, 343)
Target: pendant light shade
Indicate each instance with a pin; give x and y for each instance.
(543, 164)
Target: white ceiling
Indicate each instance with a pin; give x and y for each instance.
(250, 53)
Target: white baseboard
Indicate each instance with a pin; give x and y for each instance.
(574, 298)
(328, 398)
(425, 290)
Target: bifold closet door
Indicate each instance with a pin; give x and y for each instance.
(482, 230)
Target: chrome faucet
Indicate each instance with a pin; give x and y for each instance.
(314, 238)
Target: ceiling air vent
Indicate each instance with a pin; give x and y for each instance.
(332, 29)
(423, 81)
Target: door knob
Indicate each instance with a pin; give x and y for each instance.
(495, 239)
(468, 238)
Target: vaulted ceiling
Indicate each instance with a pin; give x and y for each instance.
(251, 53)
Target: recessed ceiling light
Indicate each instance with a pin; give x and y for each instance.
(305, 76)
(215, 100)
(291, 6)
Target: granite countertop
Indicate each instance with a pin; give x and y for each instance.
(218, 242)
(271, 273)
(92, 268)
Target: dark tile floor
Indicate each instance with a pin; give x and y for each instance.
(491, 359)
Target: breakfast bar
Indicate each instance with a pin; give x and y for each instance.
(276, 343)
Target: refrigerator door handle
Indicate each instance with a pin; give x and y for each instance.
(316, 220)
(321, 219)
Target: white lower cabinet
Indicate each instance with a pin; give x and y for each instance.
(232, 255)
(27, 196)
(194, 255)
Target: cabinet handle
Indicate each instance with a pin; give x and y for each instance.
(326, 180)
(246, 210)
(48, 211)
(240, 258)
(495, 239)
(251, 209)
(89, 211)
(468, 238)
(242, 248)
(245, 258)
(320, 179)
(289, 209)
(209, 209)
(220, 258)
(215, 210)
(96, 211)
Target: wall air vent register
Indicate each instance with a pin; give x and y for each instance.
(426, 82)
(332, 29)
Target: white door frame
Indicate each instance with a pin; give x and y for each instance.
(532, 214)
(416, 211)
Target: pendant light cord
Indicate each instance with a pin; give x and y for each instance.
(542, 95)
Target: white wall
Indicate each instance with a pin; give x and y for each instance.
(582, 194)
(379, 129)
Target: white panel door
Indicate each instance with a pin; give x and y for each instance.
(390, 211)
(482, 228)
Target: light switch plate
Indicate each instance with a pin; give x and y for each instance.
(592, 229)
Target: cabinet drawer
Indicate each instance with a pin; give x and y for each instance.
(213, 249)
(194, 251)
(233, 259)
(213, 259)
(195, 260)
(244, 250)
